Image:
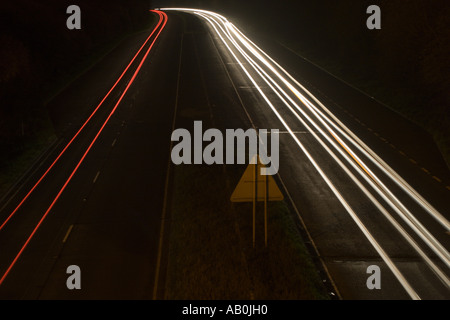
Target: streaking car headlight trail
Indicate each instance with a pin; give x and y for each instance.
(348, 151)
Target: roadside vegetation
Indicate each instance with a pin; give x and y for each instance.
(402, 65)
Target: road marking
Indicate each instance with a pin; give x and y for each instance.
(448, 187)
(353, 215)
(412, 160)
(67, 233)
(244, 259)
(96, 177)
(114, 142)
(437, 179)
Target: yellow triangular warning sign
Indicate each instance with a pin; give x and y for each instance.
(245, 189)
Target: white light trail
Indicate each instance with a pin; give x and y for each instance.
(365, 173)
(334, 129)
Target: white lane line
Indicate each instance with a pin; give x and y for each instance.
(96, 177)
(67, 233)
(114, 142)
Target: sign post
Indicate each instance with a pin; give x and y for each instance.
(253, 187)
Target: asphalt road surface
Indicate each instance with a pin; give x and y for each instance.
(342, 177)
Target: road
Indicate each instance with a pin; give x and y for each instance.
(338, 176)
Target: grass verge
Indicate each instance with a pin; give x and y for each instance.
(211, 255)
